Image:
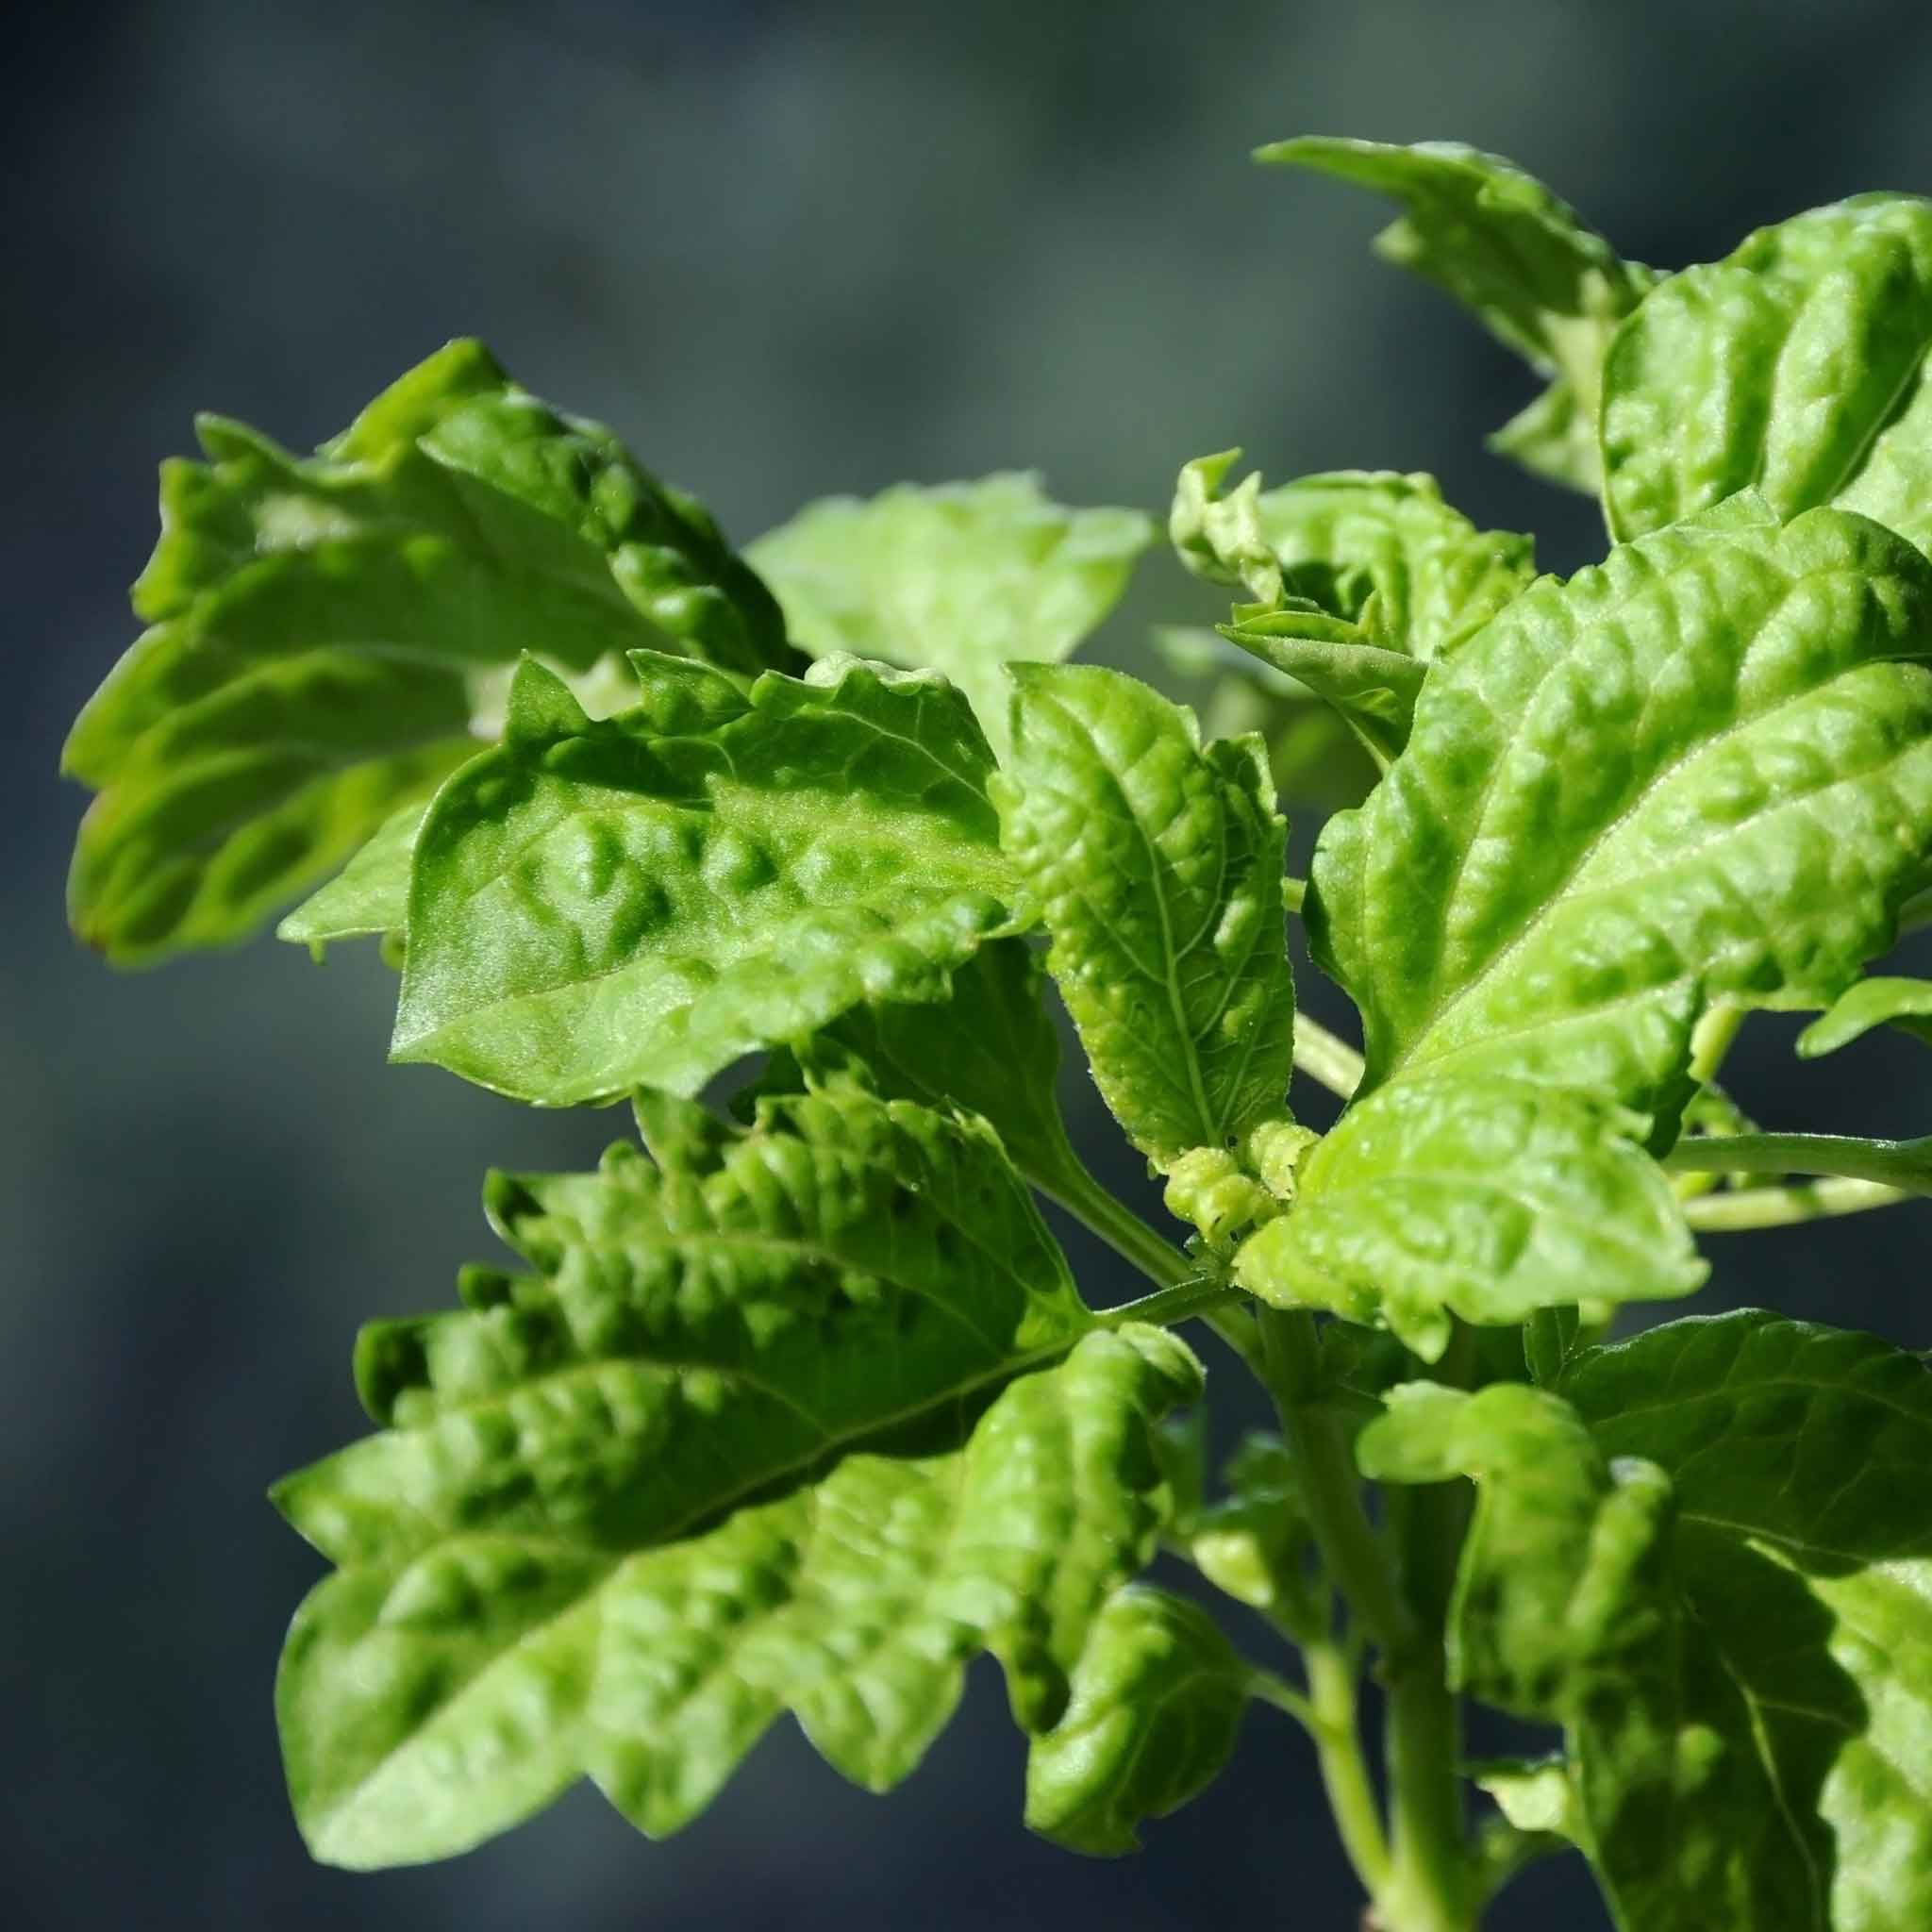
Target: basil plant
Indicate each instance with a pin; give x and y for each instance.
(796, 1406)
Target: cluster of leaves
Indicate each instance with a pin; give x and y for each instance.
(802, 1412)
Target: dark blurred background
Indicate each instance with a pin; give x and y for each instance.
(785, 250)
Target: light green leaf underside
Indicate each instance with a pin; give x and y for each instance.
(1520, 260)
(1700, 771)
(1736, 1630)
(962, 578)
(1157, 1699)
(316, 623)
(1479, 1195)
(370, 895)
(1157, 866)
(1879, 1000)
(1795, 367)
(642, 900)
(531, 1589)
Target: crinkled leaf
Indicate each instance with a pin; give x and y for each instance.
(1375, 548)
(805, 1325)
(1360, 578)
(698, 1327)
(1519, 259)
(1156, 865)
(316, 624)
(1734, 1631)
(1700, 771)
(641, 900)
(1156, 1701)
(1479, 1195)
(1879, 1000)
(1373, 690)
(1794, 367)
(1802, 1549)
(964, 579)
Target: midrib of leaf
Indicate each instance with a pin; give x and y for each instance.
(1169, 977)
(1767, 1757)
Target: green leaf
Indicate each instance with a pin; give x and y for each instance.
(964, 579)
(1520, 260)
(1804, 1555)
(1794, 367)
(1156, 1701)
(804, 1325)
(1479, 1195)
(597, 905)
(1158, 868)
(1733, 1631)
(1254, 1541)
(316, 626)
(699, 1329)
(1377, 549)
(1906, 1004)
(1534, 1794)
(988, 1048)
(1701, 771)
(1360, 578)
(1374, 691)
(370, 896)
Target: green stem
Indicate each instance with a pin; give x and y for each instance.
(1749, 1208)
(1421, 1879)
(1710, 1041)
(1327, 1058)
(1332, 1489)
(1904, 1165)
(1200, 1295)
(1266, 1687)
(1337, 1732)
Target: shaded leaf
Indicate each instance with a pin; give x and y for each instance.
(962, 578)
(1706, 1565)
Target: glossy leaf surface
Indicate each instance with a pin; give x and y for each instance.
(640, 901)
(316, 626)
(529, 1588)
(1795, 367)
(1156, 865)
